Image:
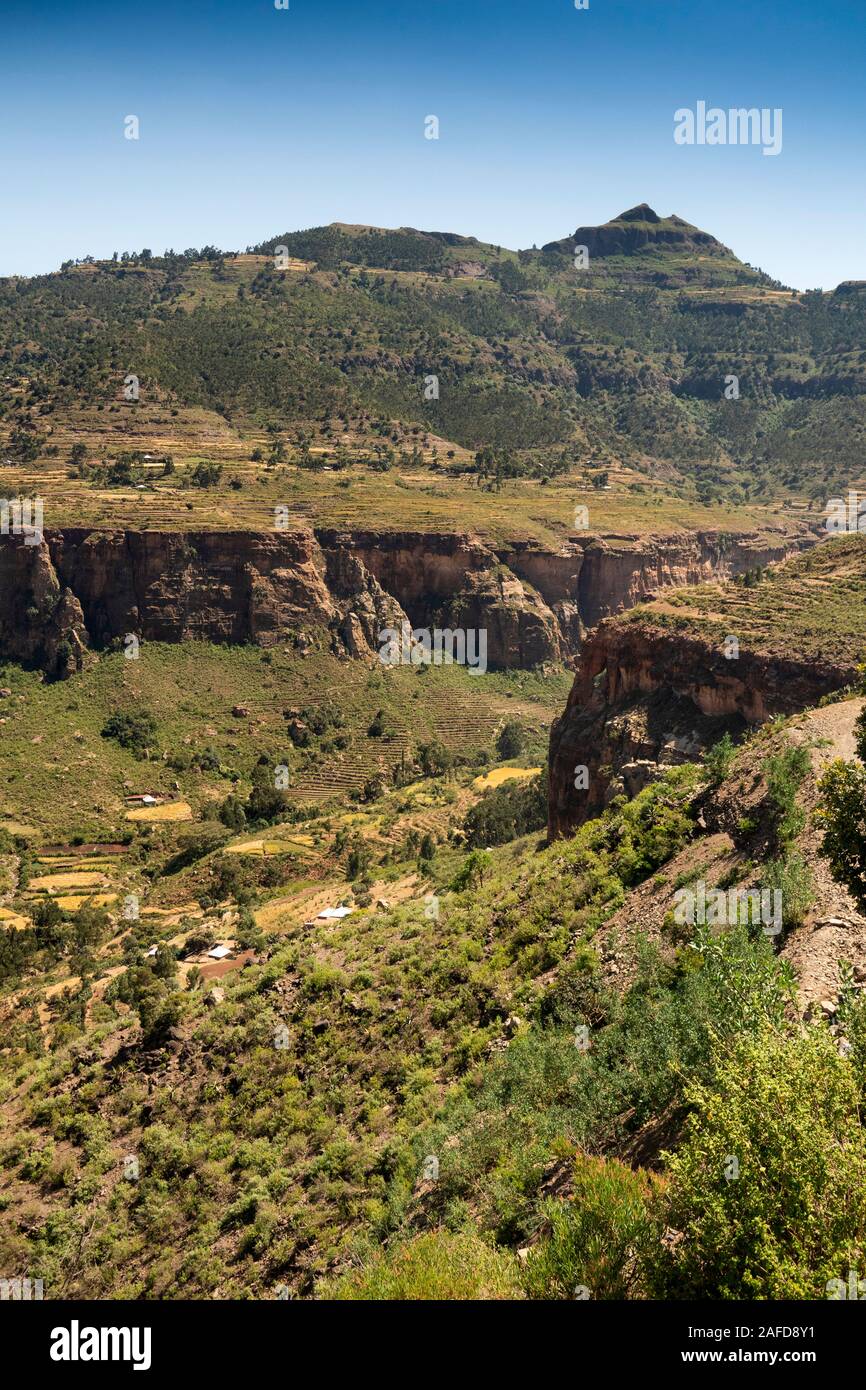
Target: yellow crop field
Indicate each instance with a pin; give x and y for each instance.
(81, 879)
(504, 774)
(173, 810)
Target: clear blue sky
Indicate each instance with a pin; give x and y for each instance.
(256, 121)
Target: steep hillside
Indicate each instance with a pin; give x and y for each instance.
(662, 682)
(501, 1086)
(360, 348)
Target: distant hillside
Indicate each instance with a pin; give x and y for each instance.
(334, 336)
(666, 251)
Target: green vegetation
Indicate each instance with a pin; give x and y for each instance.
(718, 760)
(774, 1139)
(810, 606)
(543, 376)
(843, 814)
(507, 812)
(784, 773)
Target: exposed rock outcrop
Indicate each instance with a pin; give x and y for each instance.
(84, 588)
(41, 621)
(637, 228)
(645, 696)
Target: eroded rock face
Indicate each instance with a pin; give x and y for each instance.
(84, 588)
(644, 695)
(41, 622)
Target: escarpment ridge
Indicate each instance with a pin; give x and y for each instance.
(660, 684)
(83, 588)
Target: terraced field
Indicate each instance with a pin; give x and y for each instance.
(417, 498)
(813, 605)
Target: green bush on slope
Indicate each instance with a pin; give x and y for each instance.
(767, 1194)
(432, 1267)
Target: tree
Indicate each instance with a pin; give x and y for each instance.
(231, 813)
(135, 730)
(434, 758)
(266, 801)
(511, 739)
(471, 872)
(843, 815)
(206, 474)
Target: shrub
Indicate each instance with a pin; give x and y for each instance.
(437, 1266)
(718, 760)
(792, 876)
(767, 1195)
(594, 1238)
(784, 773)
(843, 816)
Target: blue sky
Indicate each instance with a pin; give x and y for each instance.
(255, 121)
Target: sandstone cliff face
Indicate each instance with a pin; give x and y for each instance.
(41, 624)
(84, 588)
(645, 696)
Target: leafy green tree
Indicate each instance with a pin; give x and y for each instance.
(434, 758)
(471, 872)
(206, 474)
(511, 739)
(232, 814)
(774, 1139)
(134, 729)
(842, 814)
(504, 813)
(267, 801)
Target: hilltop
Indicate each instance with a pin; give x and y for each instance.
(346, 370)
(664, 251)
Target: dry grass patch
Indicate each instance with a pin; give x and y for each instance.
(504, 774)
(175, 810)
(83, 879)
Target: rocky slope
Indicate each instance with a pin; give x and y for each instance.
(83, 588)
(645, 696)
(639, 228)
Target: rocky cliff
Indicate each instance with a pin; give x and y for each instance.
(83, 588)
(645, 696)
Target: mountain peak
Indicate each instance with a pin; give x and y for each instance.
(642, 213)
(665, 250)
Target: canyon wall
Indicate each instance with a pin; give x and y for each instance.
(83, 588)
(645, 696)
